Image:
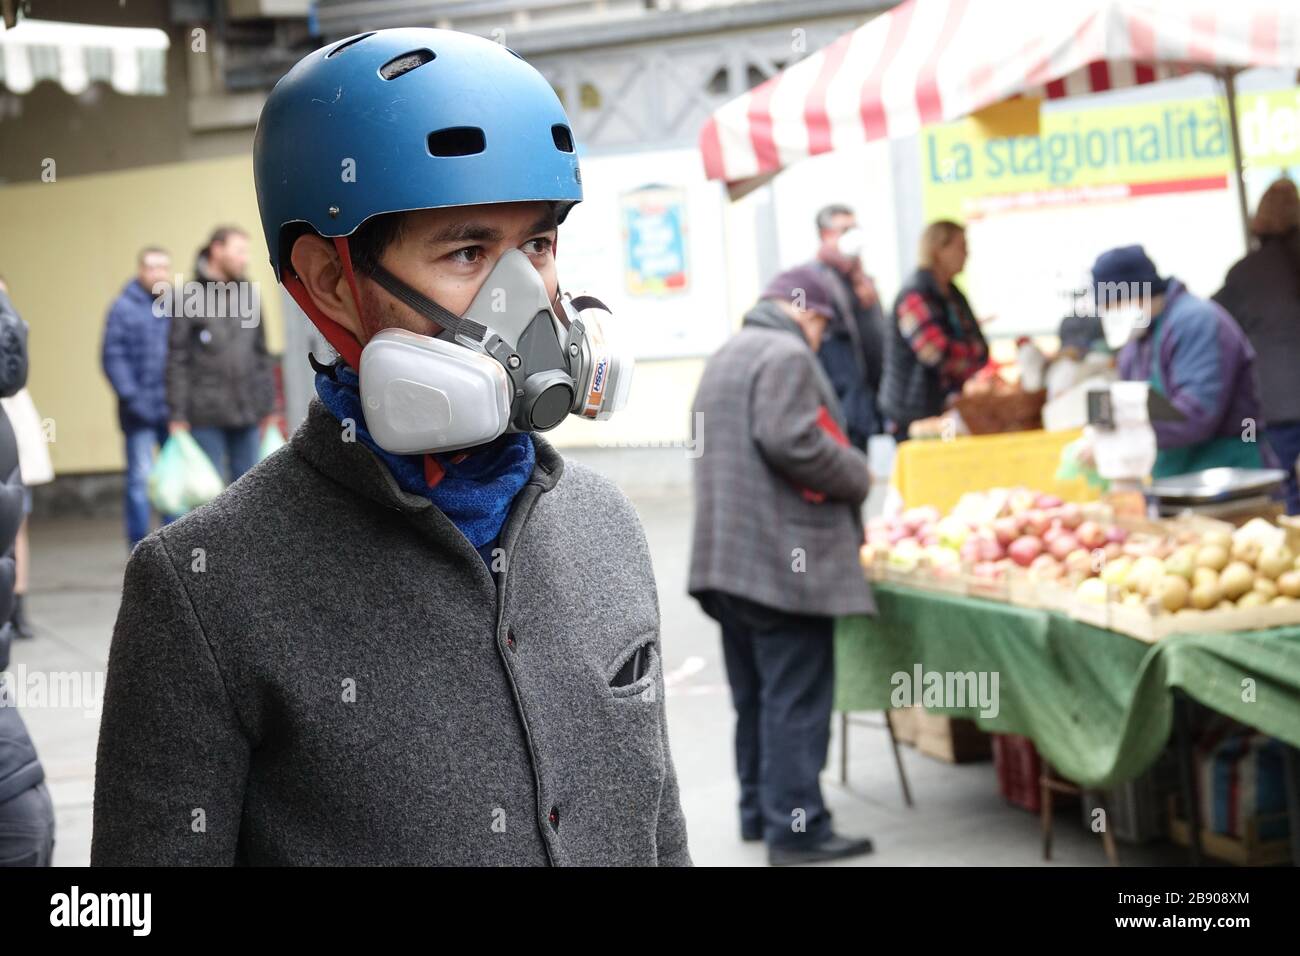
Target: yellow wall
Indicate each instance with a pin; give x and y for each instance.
(66, 250)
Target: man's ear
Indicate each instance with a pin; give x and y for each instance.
(317, 264)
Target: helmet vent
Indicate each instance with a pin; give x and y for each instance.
(562, 137)
(347, 43)
(457, 141)
(405, 63)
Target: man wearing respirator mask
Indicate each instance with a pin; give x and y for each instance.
(419, 635)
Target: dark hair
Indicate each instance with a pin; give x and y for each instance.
(372, 238)
(827, 213)
(221, 234)
(149, 251)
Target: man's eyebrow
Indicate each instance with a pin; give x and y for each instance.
(464, 232)
(546, 223)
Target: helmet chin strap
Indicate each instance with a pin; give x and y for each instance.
(343, 341)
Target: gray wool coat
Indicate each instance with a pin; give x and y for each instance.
(755, 534)
(316, 668)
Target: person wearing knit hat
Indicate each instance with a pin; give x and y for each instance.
(802, 285)
(778, 497)
(1193, 353)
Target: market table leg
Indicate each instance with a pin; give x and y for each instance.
(898, 761)
(844, 747)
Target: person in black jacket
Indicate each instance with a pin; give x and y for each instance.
(26, 813)
(935, 344)
(852, 349)
(220, 378)
(1262, 292)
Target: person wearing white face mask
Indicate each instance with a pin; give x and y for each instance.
(1193, 353)
(852, 349)
(415, 635)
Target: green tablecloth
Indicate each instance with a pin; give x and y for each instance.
(1097, 704)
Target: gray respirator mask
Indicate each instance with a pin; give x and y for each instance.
(509, 364)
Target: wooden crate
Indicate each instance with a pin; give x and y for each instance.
(1250, 850)
(1142, 623)
(950, 739)
(903, 721)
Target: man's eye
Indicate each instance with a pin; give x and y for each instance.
(538, 247)
(469, 254)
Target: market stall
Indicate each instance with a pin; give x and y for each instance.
(1089, 628)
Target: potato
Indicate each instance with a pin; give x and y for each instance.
(1172, 591)
(1288, 584)
(1212, 556)
(1237, 578)
(1265, 587)
(1221, 538)
(1205, 596)
(1281, 601)
(1252, 599)
(1207, 577)
(1273, 561)
(1246, 551)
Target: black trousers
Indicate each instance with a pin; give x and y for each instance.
(781, 669)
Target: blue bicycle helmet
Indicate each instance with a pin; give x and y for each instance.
(407, 119)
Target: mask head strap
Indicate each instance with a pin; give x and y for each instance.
(450, 321)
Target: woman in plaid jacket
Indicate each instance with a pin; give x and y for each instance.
(936, 343)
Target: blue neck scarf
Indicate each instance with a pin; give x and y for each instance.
(475, 493)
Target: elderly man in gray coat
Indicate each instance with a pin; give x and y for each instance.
(778, 492)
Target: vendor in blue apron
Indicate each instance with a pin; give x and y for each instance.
(1193, 353)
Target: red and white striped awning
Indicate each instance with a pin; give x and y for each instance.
(931, 61)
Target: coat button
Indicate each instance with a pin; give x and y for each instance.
(554, 817)
(510, 638)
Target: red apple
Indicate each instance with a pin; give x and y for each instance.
(1047, 501)
(1091, 535)
(1006, 529)
(1034, 523)
(1117, 534)
(1045, 567)
(1054, 531)
(1025, 549)
(991, 550)
(1063, 545)
(1070, 516)
(1079, 561)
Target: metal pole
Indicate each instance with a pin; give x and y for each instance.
(1230, 90)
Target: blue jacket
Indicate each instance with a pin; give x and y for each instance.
(134, 357)
(1206, 365)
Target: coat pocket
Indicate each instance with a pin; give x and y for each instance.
(618, 672)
